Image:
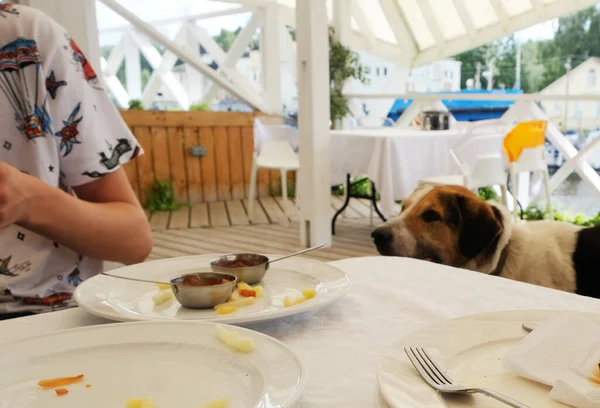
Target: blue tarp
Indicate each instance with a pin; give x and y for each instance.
(464, 110)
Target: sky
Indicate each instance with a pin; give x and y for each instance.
(154, 10)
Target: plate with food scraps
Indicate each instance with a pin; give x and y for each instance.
(470, 349)
(150, 365)
(291, 286)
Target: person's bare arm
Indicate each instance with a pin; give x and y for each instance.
(105, 221)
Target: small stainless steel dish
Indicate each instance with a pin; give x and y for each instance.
(203, 290)
(249, 268)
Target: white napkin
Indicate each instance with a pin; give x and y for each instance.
(563, 352)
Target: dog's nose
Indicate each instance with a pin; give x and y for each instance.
(381, 236)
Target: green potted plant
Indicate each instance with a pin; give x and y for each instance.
(344, 64)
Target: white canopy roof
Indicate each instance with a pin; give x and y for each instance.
(421, 31)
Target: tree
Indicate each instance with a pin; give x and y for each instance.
(226, 38)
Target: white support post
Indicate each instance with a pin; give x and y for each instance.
(271, 63)
(133, 68)
(313, 114)
(79, 19)
(237, 49)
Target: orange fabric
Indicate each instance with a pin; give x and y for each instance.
(524, 136)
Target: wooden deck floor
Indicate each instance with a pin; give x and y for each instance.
(225, 227)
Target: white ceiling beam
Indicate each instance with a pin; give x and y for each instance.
(363, 24)
(538, 5)
(239, 46)
(193, 18)
(501, 13)
(383, 50)
(432, 23)
(194, 60)
(496, 31)
(465, 17)
(397, 21)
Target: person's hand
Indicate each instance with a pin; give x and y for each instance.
(14, 193)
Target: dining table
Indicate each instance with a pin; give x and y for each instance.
(342, 345)
(395, 159)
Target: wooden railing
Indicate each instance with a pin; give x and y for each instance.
(222, 174)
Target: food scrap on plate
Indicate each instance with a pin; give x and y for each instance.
(233, 340)
(139, 403)
(220, 403)
(306, 295)
(60, 382)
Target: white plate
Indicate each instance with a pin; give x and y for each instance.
(179, 364)
(470, 349)
(122, 300)
(379, 400)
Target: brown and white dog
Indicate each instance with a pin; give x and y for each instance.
(452, 226)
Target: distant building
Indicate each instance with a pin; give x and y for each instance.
(581, 115)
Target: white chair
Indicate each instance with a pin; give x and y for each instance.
(479, 161)
(525, 153)
(276, 153)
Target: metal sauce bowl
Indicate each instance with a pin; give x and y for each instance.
(249, 274)
(203, 297)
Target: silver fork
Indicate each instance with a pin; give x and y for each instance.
(438, 379)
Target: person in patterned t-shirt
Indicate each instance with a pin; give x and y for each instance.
(65, 202)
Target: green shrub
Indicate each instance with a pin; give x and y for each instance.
(135, 104)
(203, 107)
(161, 197)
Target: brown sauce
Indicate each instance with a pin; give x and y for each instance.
(194, 280)
(240, 263)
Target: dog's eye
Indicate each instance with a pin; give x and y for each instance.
(431, 216)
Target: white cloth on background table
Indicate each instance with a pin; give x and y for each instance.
(563, 352)
(341, 346)
(394, 158)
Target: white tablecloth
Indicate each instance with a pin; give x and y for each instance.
(342, 345)
(395, 159)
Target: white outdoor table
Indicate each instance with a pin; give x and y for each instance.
(394, 158)
(342, 345)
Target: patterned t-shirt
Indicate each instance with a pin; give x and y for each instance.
(59, 125)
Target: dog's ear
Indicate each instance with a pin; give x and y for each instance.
(479, 224)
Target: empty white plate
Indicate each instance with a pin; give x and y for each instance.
(122, 300)
(471, 349)
(179, 364)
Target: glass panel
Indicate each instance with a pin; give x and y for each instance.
(448, 19)
(377, 20)
(416, 21)
(482, 13)
(516, 7)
